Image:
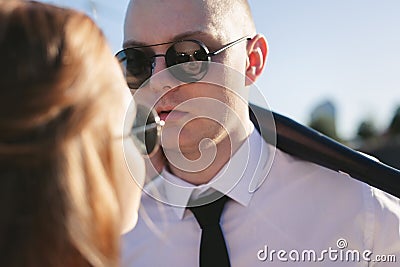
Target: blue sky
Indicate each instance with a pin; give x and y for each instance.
(347, 51)
(343, 50)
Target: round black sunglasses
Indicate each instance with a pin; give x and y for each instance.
(190, 58)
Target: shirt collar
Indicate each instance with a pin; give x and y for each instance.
(248, 167)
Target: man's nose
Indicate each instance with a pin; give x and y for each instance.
(161, 77)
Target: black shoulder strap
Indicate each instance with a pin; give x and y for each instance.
(308, 144)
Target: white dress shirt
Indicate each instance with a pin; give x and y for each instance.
(284, 211)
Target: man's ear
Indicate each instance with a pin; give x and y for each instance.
(257, 50)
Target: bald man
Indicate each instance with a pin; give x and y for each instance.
(194, 62)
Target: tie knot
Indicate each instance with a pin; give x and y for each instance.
(209, 214)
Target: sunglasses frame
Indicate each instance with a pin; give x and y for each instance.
(121, 55)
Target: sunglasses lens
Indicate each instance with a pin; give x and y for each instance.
(187, 61)
(136, 66)
(146, 130)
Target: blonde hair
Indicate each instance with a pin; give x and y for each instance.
(57, 175)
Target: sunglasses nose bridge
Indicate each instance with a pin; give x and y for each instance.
(156, 66)
(161, 77)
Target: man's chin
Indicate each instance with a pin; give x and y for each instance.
(183, 147)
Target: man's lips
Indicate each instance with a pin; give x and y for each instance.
(167, 115)
(163, 115)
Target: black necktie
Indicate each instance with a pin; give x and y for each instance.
(213, 250)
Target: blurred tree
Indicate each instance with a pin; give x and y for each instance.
(367, 130)
(394, 127)
(385, 147)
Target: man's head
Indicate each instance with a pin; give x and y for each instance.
(214, 23)
(225, 20)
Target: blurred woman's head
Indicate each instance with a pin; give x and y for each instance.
(63, 177)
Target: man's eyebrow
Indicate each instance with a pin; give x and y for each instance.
(132, 43)
(190, 34)
(185, 35)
